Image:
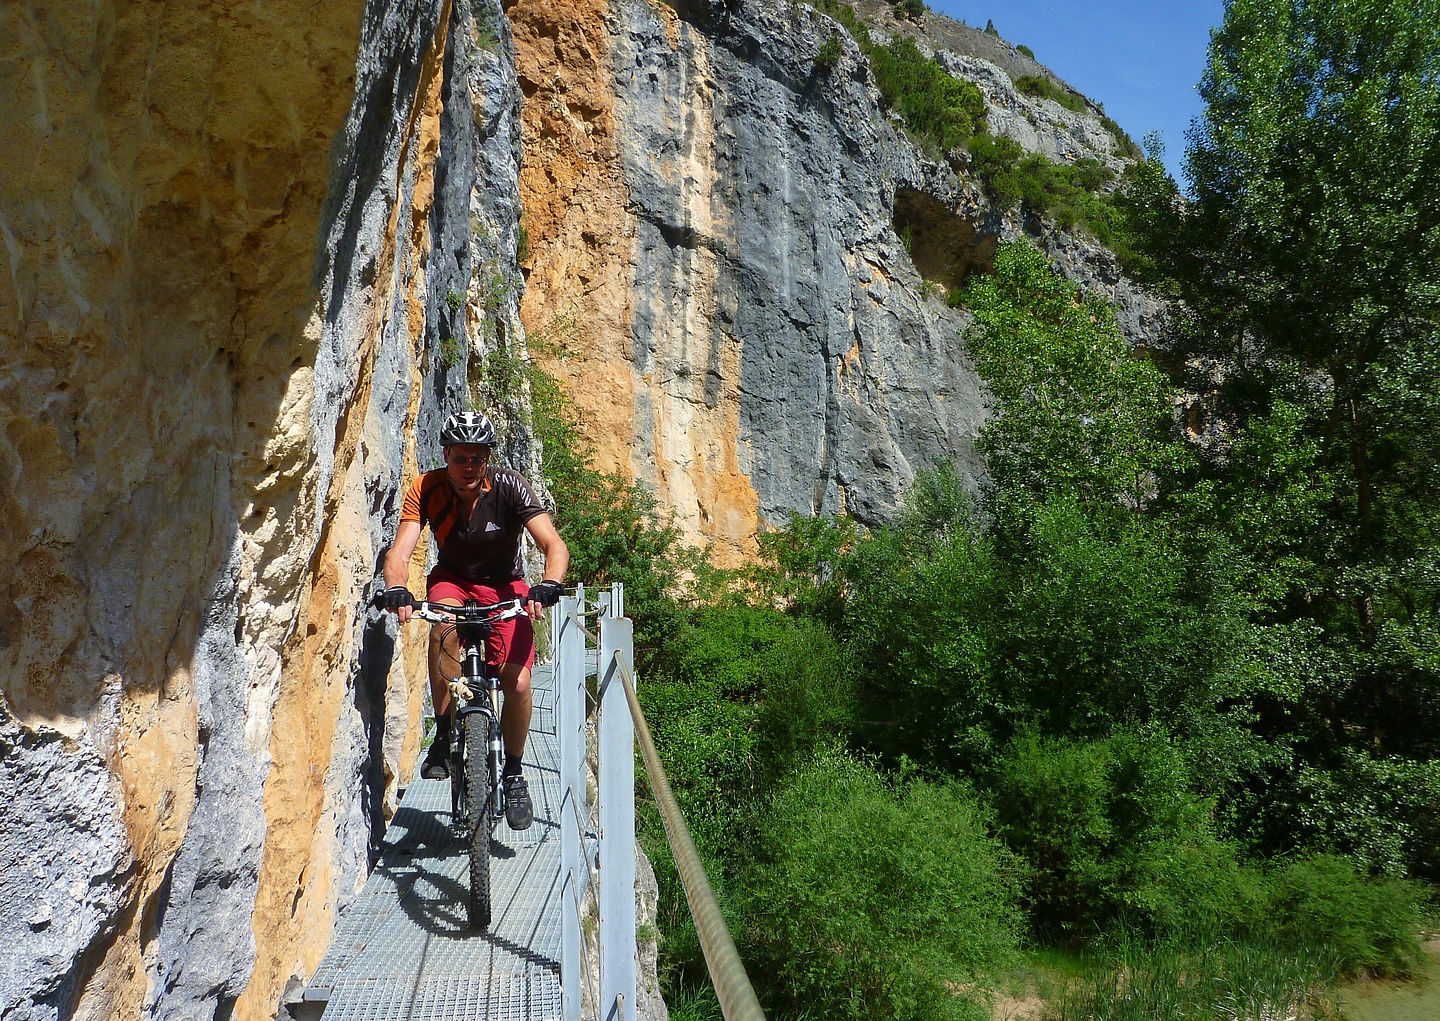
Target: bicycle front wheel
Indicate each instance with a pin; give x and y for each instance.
(477, 796)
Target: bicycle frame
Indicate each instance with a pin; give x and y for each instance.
(472, 624)
(486, 706)
(473, 816)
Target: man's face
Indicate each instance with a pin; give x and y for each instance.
(465, 464)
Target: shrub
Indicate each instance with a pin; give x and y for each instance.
(829, 53)
(801, 566)
(735, 697)
(1382, 814)
(1070, 194)
(1110, 619)
(920, 627)
(1110, 830)
(808, 699)
(872, 902)
(939, 109)
(1126, 143)
(1043, 88)
(1360, 925)
(452, 351)
(1024, 50)
(994, 159)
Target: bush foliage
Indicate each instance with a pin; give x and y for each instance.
(941, 111)
(871, 900)
(1043, 705)
(1173, 703)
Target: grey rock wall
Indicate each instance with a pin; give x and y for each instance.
(764, 190)
(1038, 125)
(201, 739)
(1140, 313)
(65, 867)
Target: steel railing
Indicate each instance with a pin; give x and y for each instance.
(618, 731)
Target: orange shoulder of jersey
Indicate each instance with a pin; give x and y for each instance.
(429, 500)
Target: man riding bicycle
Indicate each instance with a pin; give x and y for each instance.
(476, 513)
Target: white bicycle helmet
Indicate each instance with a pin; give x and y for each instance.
(467, 427)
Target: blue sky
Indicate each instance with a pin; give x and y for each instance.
(1142, 60)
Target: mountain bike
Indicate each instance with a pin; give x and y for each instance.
(477, 755)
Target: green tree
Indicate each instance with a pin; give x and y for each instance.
(1309, 265)
(1078, 413)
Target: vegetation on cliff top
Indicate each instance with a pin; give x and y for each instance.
(943, 113)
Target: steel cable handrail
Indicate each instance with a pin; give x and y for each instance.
(732, 985)
(584, 630)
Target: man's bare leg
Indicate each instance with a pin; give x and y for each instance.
(449, 645)
(515, 714)
(442, 649)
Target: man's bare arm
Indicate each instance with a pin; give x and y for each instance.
(557, 554)
(397, 561)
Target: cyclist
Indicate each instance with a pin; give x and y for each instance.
(476, 512)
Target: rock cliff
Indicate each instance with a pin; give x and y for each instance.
(718, 271)
(234, 233)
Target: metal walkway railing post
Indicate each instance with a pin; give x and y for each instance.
(570, 735)
(617, 823)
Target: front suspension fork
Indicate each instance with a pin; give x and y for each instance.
(496, 749)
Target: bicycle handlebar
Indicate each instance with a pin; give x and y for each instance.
(443, 613)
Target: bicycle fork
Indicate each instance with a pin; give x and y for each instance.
(495, 749)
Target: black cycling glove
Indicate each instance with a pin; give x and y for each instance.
(547, 593)
(394, 598)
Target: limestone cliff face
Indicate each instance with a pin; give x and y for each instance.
(717, 267)
(231, 231)
(751, 336)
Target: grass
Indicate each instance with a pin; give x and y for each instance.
(1235, 982)
(693, 1004)
(1378, 1000)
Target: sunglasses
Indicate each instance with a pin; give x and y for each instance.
(466, 460)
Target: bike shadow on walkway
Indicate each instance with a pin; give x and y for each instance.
(431, 894)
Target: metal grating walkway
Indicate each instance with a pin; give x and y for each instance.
(404, 951)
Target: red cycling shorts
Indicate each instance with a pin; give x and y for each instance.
(510, 641)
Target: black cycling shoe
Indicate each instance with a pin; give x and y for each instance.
(437, 762)
(519, 813)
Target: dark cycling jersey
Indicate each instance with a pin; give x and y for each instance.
(486, 549)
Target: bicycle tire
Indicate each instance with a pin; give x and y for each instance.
(477, 795)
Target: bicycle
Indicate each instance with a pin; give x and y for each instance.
(477, 756)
